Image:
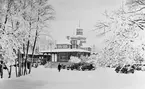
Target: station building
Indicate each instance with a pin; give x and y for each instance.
(73, 46)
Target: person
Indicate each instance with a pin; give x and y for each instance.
(59, 67)
(1, 69)
(28, 64)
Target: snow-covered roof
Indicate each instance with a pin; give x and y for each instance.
(30, 52)
(64, 50)
(78, 36)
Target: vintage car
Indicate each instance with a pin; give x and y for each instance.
(75, 66)
(87, 66)
(125, 69)
(63, 66)
(81, 66)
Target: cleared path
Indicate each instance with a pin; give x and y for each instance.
(102, 78)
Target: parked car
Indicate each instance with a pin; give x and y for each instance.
(63, 66)
(87, 67)
(75, 66)
(68, 67)
(138, 66)
(118, 69)
(125, 69)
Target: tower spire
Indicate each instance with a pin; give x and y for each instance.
(79, 23)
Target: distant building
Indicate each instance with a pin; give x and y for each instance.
(63, 46)
(78, 41)
(73, 46)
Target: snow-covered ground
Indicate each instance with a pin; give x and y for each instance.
(102, 78)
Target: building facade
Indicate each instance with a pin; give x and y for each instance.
(73, 47)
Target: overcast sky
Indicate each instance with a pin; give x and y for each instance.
(69, 12)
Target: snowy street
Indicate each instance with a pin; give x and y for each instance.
(102, 78)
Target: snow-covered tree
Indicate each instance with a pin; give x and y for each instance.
(74, 59)
(20, 24)
(126, 43)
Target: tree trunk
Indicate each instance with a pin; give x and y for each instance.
(2, 72)
(32, 61)
(19, 63)
(23, 60)
(10, 71)
(22, 67)
(25, 70)
(16, 67)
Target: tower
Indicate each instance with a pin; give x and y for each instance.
(78, 40)
(79, 31)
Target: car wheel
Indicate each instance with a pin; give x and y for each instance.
(133, 71)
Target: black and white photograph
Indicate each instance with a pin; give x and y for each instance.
(72, 44)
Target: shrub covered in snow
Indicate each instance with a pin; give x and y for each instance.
(92, 59)
(74, 59)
